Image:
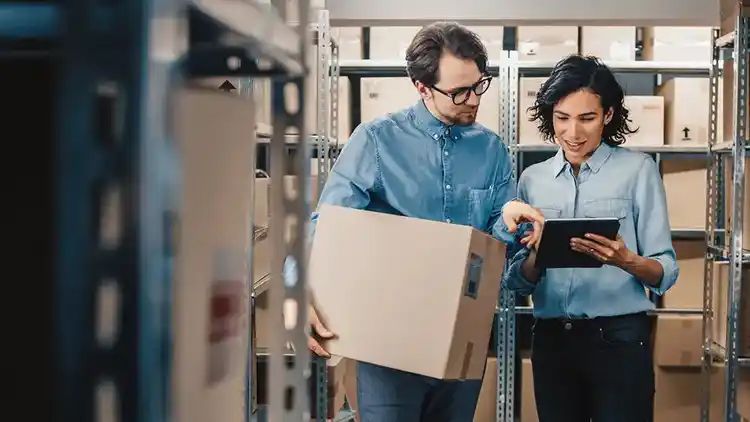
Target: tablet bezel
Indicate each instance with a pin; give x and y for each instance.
(554, 250)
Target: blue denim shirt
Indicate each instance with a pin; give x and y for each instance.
(614, 182)
(409, 163)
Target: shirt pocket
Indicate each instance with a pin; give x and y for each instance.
(606, 208)
(550, 212)
(480, 207)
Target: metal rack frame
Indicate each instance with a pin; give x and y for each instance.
(508, 72)
(734, 47)
(326, 99)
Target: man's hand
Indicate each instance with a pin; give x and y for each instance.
(516, 212)
(612, 252)
(317, 329)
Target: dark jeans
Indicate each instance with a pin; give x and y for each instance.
(388, 395)
(598, 370)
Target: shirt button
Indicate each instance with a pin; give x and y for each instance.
(447, 220)
(568, 326)
(455, 138)
(445, 153)
(448, 187)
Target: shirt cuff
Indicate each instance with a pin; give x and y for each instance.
(670, 272)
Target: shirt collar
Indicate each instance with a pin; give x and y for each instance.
(431, 125)
(594, 163)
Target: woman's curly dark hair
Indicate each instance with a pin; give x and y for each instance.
(572, 74)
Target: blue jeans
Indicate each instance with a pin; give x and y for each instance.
(389, 395)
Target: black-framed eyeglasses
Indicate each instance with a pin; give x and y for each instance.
(461, 95)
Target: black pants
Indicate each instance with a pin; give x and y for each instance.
(598, 370)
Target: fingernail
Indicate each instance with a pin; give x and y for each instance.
(588, 235)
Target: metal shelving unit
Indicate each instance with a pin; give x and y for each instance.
(729, 47)
(318, 146)
(508, 72)
(132, 57)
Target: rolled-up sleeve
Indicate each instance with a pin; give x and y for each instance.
(517, 253)
(653, 234)
(505, 188)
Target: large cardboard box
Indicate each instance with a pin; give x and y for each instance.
(391, 42)
(647, 114)
(609, 43)
(686, 103)
(687, 293)
(211, 293)
(381, 96)
(729, 202)
(678, 341)
(685, 187)
(547, 43)
(380, 276)
(677, 44)
(722, 305)
(528, 88)
(349, 40)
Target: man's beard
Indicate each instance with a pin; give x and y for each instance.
(464, 117)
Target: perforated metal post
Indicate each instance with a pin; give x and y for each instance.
(712, 202)
(288, 399)
(323, 96)
(114, 221)
(506, 321)
(335, 72)
(738, 191)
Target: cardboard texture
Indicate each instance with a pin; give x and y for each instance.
(528, 401)
(687, 207)
(686, 111)
(486, 409)
(679, 341)
(687, 292)
(678, 394)
(616, 43)
(367, 272)
(210, 288)
(528, 88)
(729, 201)
(647, 114)
(381, 96)
(391, 42)
(721, 308)
(677, 44)
(546, 43)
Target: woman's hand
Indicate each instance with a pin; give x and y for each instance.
(611, 252)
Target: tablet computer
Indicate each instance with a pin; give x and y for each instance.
(554, 250)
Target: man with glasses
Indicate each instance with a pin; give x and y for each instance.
(430, 161)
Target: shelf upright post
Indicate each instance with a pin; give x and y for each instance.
(323, 87)
(738, 190)
(506, 321)
(288, 399)
(120, 174)
(712, 217)
(335, 72)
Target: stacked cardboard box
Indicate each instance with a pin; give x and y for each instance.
(210, 289)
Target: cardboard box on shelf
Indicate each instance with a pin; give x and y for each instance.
(687, 206)
(678, 394)
(678, 341)
(381, 96)
(528, 88)
(546, 43)
(646, 114)
(391, 42)
(367, 272)
(677, 44)
(210, 349)
(609, 43)
(687, 293)
(686, 105)
(486, 409)
(349, 40)
(729, 201)
(721, 308)
(528, 400)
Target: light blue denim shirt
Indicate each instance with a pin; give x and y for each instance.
(614, 182)
(409, 163)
